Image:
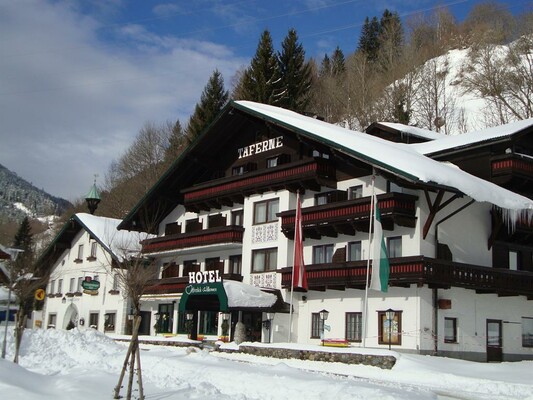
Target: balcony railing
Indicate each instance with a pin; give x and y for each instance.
(419, 270)
(351, 215)
(205, 237)
(511, 166)
(227, 191)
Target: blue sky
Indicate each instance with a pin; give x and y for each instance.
(78, 79)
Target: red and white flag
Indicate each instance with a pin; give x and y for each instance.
(299, 277)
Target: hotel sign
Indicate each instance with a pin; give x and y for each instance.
(204, 277)
(260, 147)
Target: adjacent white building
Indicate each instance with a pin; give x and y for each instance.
(457, 219)
(84, 288)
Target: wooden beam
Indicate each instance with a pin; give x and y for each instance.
(433, 209)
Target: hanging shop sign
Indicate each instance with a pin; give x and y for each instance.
(90, 286)
(260, 147)
(39, 294)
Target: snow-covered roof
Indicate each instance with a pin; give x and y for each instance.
(104, 230)
(398, 159)
(472, 138)
(413, 131)
(243, 295)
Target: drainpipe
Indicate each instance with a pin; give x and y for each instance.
(435, 291)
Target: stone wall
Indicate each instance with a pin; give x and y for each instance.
(384, 362)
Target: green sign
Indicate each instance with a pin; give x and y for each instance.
(90, 285)
(204, 289)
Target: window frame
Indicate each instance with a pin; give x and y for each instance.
(268, 211)
(317, 326)
(357, 326)
(80, 252)
(527, 342)
(324, 248)
(453, 339)
(92, 316)
(268, 254)
(382, 317)
(235, 260)
(355, 189)
(393, 239)
(349, 252)
(107, 317)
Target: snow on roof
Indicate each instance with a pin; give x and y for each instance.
(243, 295)
(471, 138)
(414, 131)
(104, 230)
(399, 159)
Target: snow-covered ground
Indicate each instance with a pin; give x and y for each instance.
(80, 365)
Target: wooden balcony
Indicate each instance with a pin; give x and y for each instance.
(347, 217)
(512, 169)
(309, 174)
(206, 237)
(419, 270)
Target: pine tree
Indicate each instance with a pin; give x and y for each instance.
(295, 74)
(261, 82)
(24, 238)
(213, 99)
(175, 143)
(337, 62)
(368, 40)
(391, 39)
(325, 66)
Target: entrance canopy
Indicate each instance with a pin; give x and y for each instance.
(228, 296)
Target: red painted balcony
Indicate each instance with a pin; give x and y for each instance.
(216, 193)
(419, 270)
(347, 217)
(512, 167)
(206, 237)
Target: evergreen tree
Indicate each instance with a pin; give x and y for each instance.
(325, 66)
(213, 99)
(368, 40)
(176, 142)
(24, 238)
(295, 74)
(337, 62)
(261, 82)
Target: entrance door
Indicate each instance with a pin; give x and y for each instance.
(494, 340)
(144, 328)
(164, 323)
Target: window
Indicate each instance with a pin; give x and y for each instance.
(390, 331)
(354, 251)
(317, 326)
(272, 162)
(513, 260)
(193, 225)
(527, 332)
(265, 211)
(236, 217)
(450, 330)
(80, 280)
(235, 264)
(190, 266)
(60, 286)
(109, 322)
(354, 326)
(322, 254)
(214, 263)
(72, 286)
(319, 154)
(116, 282)
(355, 192)
(52, 286)
(208, 322)
(94, 246)
(394, 247)
(235, 171)
(80, 252)
(52, 320)
(93, 320)
(264, 260)
(321, 198)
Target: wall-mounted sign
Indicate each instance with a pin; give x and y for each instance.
(204, 289)
(205, 277)
(90, 285)
(39, 294)
(260, 147)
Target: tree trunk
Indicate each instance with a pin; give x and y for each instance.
(129, 359)
(19, 331)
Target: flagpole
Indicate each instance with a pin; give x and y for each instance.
(294, 252)
(365, 309)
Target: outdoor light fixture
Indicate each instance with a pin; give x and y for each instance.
(64, 300)
(189, 316)
(270, 316)
(225, 316)
(390, 314)
(324, 314)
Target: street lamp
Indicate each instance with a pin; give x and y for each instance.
(324, 314)
(268, 326)
(225, 326)
(189, 316)
(390, 314)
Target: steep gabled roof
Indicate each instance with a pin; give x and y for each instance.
(398, 159)
(475, 139)
(104, 230)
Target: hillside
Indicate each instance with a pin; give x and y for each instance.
(19, 198)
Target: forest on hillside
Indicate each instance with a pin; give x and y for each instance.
(400, 71)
